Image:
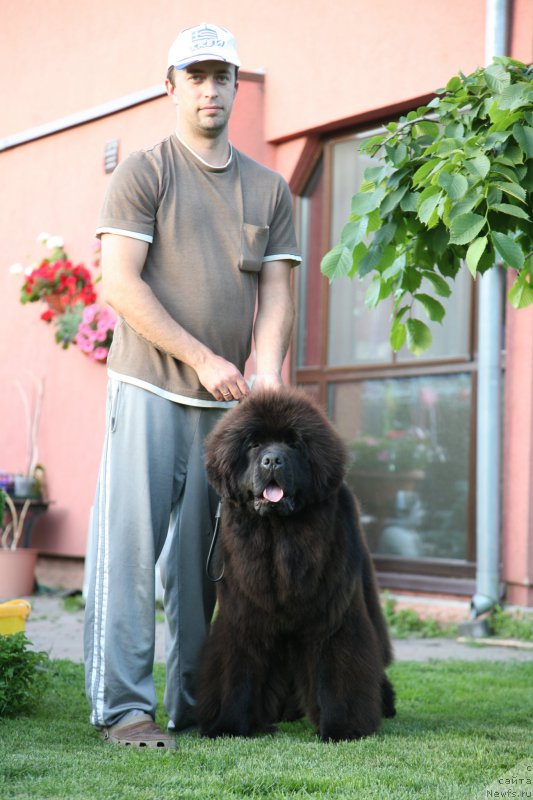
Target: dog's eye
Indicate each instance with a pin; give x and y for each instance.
(253, 445)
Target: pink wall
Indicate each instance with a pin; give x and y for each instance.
(324, 61)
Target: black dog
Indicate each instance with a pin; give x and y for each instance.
(299, 627)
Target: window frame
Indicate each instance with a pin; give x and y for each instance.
(435, 575)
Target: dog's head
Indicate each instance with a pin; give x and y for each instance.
(275, 453)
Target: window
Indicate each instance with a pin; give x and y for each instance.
(406, 421)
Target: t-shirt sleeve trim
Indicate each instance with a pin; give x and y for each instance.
(120, 232)
(283, 257)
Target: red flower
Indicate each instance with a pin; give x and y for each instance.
(47, 316)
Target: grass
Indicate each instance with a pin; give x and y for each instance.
(459, 727)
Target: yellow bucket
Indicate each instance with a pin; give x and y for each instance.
(13, 615)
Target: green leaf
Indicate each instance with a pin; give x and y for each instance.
(391, 200)
(385, 234)
(418, 336)
(509, 249)
(470, 201)
(503, 120)
(438, 283)
(496, 78)
(370, 260)
(354, 232)
(508, 208)
(427, 128)
(395, 268)
(432, 307)
(515, 96)
(397, 335)
(372, 296)
(512, 189)
(521, 292)
(364, 202)
(524, 138)
(423, 171)
(453, 84)
(427, 203)
(465, 228)
(410, 201)
(507, 172)
(397, 154)
(478, 166)
(372, 144)
(411, 279)
(454, 184)
(357, 256)
(474, 253)
(374, 221)
(388, 257)
(497, 138)
(337, 263)
(375, 174)
(494, 195)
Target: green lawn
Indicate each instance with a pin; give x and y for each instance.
(459, 727)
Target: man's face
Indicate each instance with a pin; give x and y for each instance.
(204, 93)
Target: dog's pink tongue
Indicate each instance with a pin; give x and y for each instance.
(273, 492)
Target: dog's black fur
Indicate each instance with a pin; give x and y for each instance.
(299, 626)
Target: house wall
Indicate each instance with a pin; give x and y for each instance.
(324, 64)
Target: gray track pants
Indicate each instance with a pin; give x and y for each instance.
(151, 484)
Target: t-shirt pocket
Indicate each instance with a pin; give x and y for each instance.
(254, 240)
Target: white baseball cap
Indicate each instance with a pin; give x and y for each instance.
(204, 42)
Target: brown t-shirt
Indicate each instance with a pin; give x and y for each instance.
(210, 230)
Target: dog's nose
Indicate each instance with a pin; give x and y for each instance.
(272, 459)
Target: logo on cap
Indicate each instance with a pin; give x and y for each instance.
(204, 38)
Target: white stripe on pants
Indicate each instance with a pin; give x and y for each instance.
(151, 483)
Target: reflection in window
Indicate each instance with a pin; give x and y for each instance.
(409, 442)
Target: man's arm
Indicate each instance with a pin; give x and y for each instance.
(274, 322)
(124, 289)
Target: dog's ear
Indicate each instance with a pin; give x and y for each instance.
(327, 457)
(325, 450)
(222, 453)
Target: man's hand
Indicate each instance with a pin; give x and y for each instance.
(267, 380)
(221, 378)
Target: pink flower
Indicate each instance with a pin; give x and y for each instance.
(99, 354)
(90, 313)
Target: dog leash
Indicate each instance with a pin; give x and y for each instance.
(212, 548)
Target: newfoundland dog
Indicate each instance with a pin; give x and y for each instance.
(299, 628)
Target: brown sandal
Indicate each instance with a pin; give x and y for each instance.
(138, 731)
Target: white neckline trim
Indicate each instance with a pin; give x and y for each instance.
(203, 161)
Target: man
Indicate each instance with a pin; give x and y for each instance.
(194, 234)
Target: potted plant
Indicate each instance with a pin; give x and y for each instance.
(17, 564)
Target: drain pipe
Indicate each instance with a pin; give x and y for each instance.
(488, 502)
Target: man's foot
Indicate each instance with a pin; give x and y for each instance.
(138, 731)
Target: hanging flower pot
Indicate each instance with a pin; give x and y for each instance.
(68, 291)
(54, 303)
